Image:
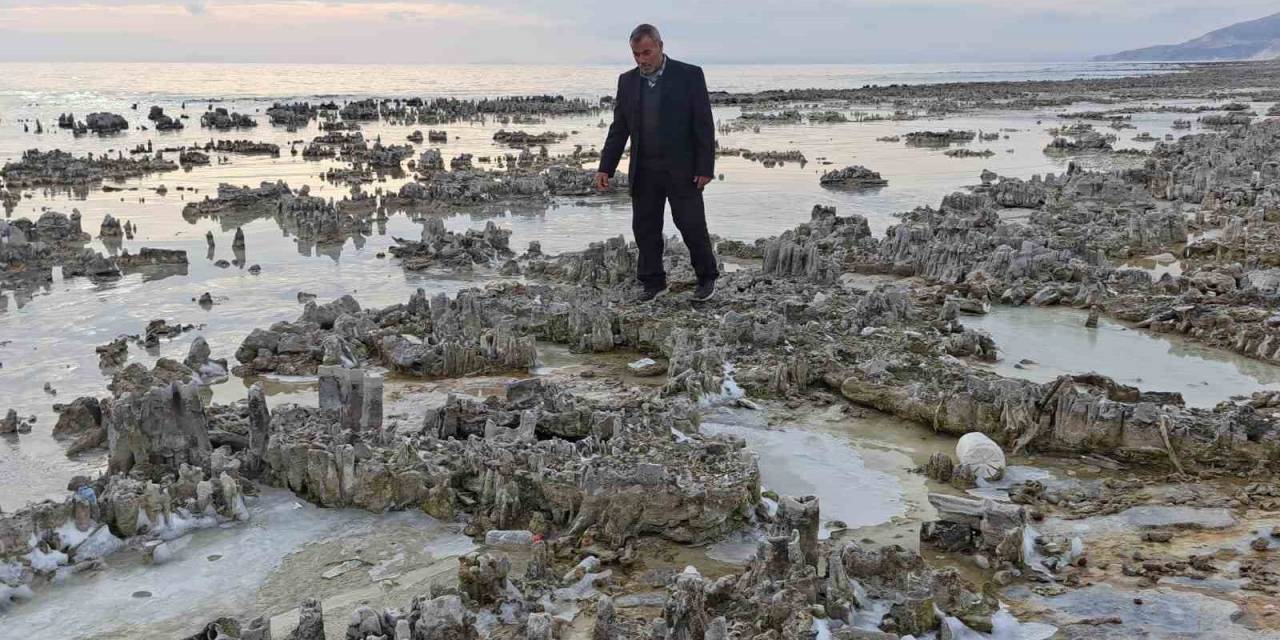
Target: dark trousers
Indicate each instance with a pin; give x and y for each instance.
(652, 189)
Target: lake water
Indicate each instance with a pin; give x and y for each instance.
(79, 81)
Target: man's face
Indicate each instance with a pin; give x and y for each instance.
(648, 54)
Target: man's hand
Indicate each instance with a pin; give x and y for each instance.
(701, 181)
(602, 181)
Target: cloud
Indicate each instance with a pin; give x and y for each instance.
(576, 31)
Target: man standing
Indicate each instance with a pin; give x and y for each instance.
(663, 108)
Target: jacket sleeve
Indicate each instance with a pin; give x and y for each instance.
(704, 128)
(619, 131)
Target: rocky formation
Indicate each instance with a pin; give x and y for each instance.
(163, 122)
(192, 157)
(1084, 141)
(474, 187)
(110, 228)
(246, 147)
(292, 115)
(430, 160)
(220, 119)
(767, 158)
(164, 480)
(61, 169)
(355, 395)
(816, 250)
(30, 250)
(113, 354)
(313, 220)
(146, 258)
(81, 420)
(784, 592)
(160, 427)
(205, 369)
(440, 248)
(13, 423)
(534, 183)
(436, 338)
(522, 139)
(630, 490)
(854, 177)
(969, 153)
(938, 138)
(104, 123)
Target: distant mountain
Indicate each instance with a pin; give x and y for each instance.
(1252, 40)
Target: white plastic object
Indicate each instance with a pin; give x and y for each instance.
(982, 454)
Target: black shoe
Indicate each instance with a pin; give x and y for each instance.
(652, 293)
(705, 291)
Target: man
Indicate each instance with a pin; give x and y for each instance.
(663, 108)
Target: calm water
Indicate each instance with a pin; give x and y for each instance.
(49, 334)
(40, 81)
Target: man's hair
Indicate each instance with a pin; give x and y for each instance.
(645, 31)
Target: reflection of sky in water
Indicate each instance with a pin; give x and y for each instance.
(47, 82)
(53, 333)
(1058, 342)
(796, 462)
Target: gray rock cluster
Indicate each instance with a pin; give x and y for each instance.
(292, 115)
(489, 187)
(220, 118)
(61, 169)
(938, 138)
(354, 394)
(311, 219)
(440, 248)
(525, 139)
(162, 121)
(854, 177)
(29, 251)
(474, 187)
(633, 489)
(436, 338)
(246, 147)
(817, 250)
(165, 478)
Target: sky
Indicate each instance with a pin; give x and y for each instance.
(595, 31)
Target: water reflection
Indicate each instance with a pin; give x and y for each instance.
(1041, 344)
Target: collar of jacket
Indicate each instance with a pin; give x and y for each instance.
(653, 79)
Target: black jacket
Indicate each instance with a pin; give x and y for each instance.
(687, 132)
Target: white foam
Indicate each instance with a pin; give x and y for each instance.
(45, 562)
(70, 535)
(100, 543)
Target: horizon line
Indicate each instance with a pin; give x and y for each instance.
(594, 64)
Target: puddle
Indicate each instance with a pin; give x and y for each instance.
(1145, 517)
(1057, 342)
(1165, 614)
(1013, 474)
(860, 482)
(192, 589)
(1156, 266)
